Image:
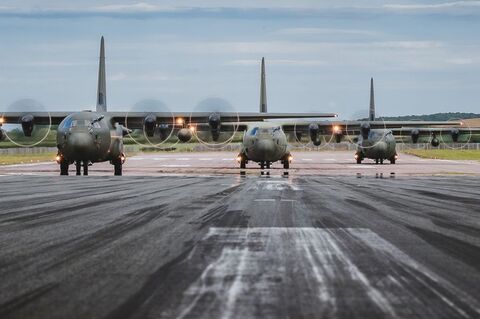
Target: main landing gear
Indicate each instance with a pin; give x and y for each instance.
(118, 165)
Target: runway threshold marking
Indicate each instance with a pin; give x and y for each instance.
(239, 279)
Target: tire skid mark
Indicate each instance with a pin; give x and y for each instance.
(24, 299)
(86, 244)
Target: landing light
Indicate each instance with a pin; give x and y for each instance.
(239, 158)
(58, 159)
(396, 156)
(356, 156)
(180, 121)
(192, 129)
(1, 120)
(336, 128)
(290, 158)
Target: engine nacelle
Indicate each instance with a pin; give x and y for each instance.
(3, 135)
(184, 135)
(163, 129)
(27, 124)
(365, 130)
(415, 135)
(435, 141)
(338, 136)
(149, 124)
(455, 133)
(215, 122)
(314, 131)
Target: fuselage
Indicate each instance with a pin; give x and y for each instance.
(265, 142)
(380, 144)
(89, 136)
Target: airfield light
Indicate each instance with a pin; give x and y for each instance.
(180, 121)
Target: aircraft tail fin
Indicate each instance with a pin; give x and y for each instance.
(102, 83)
(263, 90)
(371, 114)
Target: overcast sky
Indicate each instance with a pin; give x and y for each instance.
(320, 55)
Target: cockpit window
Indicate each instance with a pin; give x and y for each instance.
(67, 123)
(254, 131)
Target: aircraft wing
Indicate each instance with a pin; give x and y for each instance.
(40, 118)
(353, 127)
(136, 120)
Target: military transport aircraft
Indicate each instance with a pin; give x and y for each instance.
(88, 137)
(375, 138)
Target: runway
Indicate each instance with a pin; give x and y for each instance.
(224, 163)
(239, 247)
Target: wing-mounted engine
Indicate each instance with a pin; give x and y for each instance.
(150, 124)
(215, 122)
(337, 133)
(314, 132)
(434, 140)
(28, 123)
(455, 134)
(415, 134)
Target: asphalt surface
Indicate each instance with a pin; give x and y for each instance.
(239, 247)
(224, 163)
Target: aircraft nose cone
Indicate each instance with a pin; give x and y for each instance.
(80, 144)
(265, 147)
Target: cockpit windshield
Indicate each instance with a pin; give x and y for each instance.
(266, 130)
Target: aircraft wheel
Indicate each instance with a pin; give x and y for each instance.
(78, 166)
(268, 165)
(392, 160)
(64, 168)
(243, 164)
(376, 161)
(117, 167)
(286, 164)
(359, 160)
(262, 165)
(85, 168)
(381, 161)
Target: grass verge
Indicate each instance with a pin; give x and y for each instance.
(7, 159)
(447, 154)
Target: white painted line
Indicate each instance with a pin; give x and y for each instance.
(175, 165)
(265, 200)
(228, 159)
(29, 164)
(160, 158)
(307, 159)
(136, 158)
(238, 278)
(288, 200)
(361, 166)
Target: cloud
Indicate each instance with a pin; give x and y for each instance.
(222, 8)
(326, 31)
(433, 6)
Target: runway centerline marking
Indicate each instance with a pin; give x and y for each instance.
(264, 200)
(175, 165)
